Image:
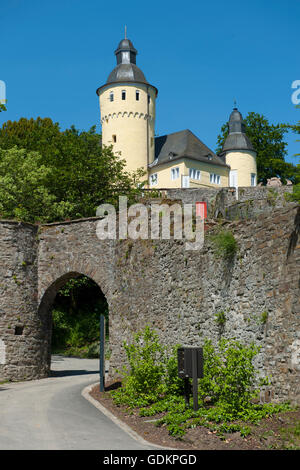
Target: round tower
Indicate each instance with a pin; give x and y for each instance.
(127, 108)
(239, 153)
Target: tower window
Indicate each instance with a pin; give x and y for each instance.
(148, 98)
(111, 96)
(114, 138)
(137, 95)
(253, 179)
(123, 95)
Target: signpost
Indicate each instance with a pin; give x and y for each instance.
(190, 365)
(102, 353)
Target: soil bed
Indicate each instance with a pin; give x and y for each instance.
(276, 432)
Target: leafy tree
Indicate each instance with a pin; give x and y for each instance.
(78, 174)
(267, 140)
(2, 107)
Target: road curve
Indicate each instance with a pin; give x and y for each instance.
(52, 414)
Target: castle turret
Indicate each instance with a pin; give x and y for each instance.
(239, 153)
(127, 107)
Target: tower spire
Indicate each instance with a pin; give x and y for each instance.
(125, 31)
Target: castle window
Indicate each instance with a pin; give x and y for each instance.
(123, 95)
(111, 96)
(148, 98)
(253, 179)
(175, 173)
(214, 179)
(194, 174)
(137, 95)
(114, 138)
(153, 179)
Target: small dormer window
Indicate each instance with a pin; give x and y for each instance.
(123, 95)
(137, 95)
(111, 96)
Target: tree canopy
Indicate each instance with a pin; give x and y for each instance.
(49, 175)
(268, 141)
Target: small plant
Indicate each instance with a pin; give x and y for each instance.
(225, 244)
(220, 318)
(264, 317)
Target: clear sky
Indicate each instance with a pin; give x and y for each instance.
(201, 55)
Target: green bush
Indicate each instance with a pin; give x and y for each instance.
(151, 371)
(225, 244)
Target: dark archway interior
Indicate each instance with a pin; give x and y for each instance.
(76, 310)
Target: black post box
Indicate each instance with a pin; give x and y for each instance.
(185, 362)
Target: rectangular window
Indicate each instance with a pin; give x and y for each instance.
(123, 95)
(253, 179)
(153, 179)
(137, 95)
(111, 96)
(148, 98)
(114, 139)
(194, 174)
(214, 179)
(174, 173)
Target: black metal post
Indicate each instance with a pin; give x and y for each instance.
(102, 353)
(187, 391)
(195, 379)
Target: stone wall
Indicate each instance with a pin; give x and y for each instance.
(158, 282)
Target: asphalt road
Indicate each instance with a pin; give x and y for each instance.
(52, 414)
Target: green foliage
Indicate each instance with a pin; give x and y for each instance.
(67, 174)
(220, 318)
(271, 149)
(229, 378)
(225, 244)
(151, 370)
(295, 195)
(75, 317)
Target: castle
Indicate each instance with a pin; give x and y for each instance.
(177, 160)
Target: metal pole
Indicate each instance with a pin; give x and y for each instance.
(195, 379)
(102, 353)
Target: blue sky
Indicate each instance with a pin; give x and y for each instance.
(200, 55)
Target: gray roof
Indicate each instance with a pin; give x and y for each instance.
(183, 144)
(126, 73)
(237, 138)
(126, 69)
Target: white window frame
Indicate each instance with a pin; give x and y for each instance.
(153, 179)
(253, 179)
(175, 173)
(214, 178)
(194, 174)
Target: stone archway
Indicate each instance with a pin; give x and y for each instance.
(45, 314)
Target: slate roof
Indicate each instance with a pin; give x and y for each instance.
(183, 144)
(237, 138)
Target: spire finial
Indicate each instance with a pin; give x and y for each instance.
(234, 103)
(125, 31)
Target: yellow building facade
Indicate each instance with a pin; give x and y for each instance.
(178, 160)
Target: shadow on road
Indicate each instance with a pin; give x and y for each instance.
(65, 373)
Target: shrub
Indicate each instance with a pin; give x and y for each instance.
(225, 244)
